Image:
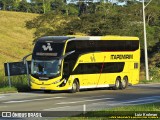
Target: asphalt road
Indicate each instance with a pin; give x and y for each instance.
(86, 100)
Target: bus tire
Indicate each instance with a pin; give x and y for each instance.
(124, 82)
(117, 83)
(75, 87)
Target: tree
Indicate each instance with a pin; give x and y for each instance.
(24, 6)
(7, 4)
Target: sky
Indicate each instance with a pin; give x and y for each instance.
(113, 1)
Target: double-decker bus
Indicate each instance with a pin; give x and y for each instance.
(74, 63)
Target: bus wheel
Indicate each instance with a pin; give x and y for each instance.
(75, 87)
(124, 82)
(47, 91)
(117, 83)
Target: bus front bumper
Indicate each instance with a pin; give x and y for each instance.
(49, 86)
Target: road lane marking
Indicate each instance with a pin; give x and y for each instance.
(134, 101)
(137, 101)
(150, 97)
(21, 101)
(84, 101)
(56, 108)
(2, 96)
(95, 96)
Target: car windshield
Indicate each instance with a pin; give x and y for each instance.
(45, 68)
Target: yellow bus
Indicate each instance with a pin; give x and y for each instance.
(73, 63)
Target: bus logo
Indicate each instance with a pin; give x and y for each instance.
(127, 56)
(48, 47)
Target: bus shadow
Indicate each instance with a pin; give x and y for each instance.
(64, 91)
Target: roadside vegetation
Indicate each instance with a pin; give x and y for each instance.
(8, 89)
(124, 111)
(16, 42)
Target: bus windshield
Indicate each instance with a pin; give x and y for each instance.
(45, 68)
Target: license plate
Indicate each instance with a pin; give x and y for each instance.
(43, 88)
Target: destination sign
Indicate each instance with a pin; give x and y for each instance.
(46, 54)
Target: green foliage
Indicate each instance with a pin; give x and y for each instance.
(20, 83)
(125, 111)
(8, 89)
(155, 73)
(99, 19)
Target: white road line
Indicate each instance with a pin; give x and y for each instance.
(84, 101)
(140, 100)
(133, 101)
(2, 96)
(56, 108)
(148, 102)
(151, 97)
(21, 101)
(94, 96)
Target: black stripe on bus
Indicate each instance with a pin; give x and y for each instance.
(102, 45)
(95, 68)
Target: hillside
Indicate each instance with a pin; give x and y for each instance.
(15, 39)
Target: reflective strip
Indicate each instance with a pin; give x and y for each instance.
(94, 38)
(92, 86)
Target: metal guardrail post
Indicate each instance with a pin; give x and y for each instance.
(9, 79)
(28, 77)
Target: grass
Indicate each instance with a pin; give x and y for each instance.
(16, 42)
(8, 89)
(149, 81)
(19, 82)
(129, 111)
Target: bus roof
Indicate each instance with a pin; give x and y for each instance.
(108, 37)
(70, 38)
(53, 39)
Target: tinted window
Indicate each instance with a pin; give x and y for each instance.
(117, 45)
(102, 45)
(93, 68)
(45, 50)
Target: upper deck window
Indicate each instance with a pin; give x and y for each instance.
(47, 50)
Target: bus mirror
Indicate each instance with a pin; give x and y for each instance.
(66, 69)
(68, 53)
